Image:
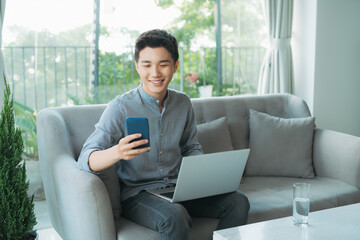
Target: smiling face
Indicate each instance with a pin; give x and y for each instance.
(156, 68)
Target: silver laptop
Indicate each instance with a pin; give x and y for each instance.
(206, 175)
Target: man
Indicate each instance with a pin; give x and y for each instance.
(173, 135)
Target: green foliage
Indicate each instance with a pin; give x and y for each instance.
(117, 74)
(164, 3)
(79, 36)
(196, 19)
(242, 21)
(25, 119)
(117, 69)
(17, 217)
(77, 101)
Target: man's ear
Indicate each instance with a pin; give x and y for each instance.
(176, 66)
(136, 66)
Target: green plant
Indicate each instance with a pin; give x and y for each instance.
(208, 78)
(25, 119)
(17, 217)
(77, 101)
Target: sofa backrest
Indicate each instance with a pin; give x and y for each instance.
(80, 120)
(236, 110)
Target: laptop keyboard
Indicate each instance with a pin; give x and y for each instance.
(168, 194)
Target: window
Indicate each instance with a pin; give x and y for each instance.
(49, 54)
(49, 46)
(46, 47)
(243, 40)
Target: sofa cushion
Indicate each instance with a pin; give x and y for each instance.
(271, 197)
(279, 146)
(214, 136)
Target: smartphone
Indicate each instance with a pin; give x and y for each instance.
(138, 125)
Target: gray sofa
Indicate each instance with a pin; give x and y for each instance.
(86, 206)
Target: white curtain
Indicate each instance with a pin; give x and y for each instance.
(276, 73)
(2, 65)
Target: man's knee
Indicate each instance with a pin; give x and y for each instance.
(236, 204)
(236, 212)
(242, 202)
(176, 216)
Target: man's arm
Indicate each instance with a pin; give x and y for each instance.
(189, 142)
(103, 159)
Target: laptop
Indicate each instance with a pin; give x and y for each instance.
(206, 175)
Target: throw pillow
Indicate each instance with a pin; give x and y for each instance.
(214, 136)
(279, 146)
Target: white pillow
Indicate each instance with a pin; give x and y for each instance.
(279, 146)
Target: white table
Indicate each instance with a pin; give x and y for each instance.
(341, 223)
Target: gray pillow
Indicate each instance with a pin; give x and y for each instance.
(214, 136)
(279, 146)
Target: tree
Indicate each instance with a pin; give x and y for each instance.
(79, 36)
(17, 217)
(242, 21)
(196, 20)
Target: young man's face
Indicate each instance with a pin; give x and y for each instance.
(156, 69)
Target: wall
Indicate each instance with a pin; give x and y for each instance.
(326, 61)
(337, 85)
(303, 48)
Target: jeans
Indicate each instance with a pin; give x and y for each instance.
(173, 220)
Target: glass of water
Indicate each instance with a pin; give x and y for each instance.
(301, 203)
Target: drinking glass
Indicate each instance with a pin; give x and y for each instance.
(301, 204)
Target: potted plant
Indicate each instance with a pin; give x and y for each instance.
(206, 83)
(17, 216)
(203, 82)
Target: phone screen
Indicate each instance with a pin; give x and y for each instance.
(138, 125)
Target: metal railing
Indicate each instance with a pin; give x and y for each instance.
(61, 75)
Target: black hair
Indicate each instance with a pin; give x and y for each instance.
(157, 38)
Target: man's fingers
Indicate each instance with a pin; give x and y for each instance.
(135, 144)
(131, 137)
(138, 151)
(130, 154)
(130, 140)
(123, 142)
(126, 147)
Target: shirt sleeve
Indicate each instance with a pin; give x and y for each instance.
(189, 142)
(108, 132)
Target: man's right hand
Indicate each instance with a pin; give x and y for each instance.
(124, 150)
(126, 146)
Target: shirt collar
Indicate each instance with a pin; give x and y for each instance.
(151, 99)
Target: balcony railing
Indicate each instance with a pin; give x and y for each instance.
(62, 75)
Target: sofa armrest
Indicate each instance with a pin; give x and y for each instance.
(83, 201)
(78, 201)
(337, 155)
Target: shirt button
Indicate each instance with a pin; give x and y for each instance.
(161, 170)
(157, 101)
(161, 152)
(162, 134)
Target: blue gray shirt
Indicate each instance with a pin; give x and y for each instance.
(172, 135)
